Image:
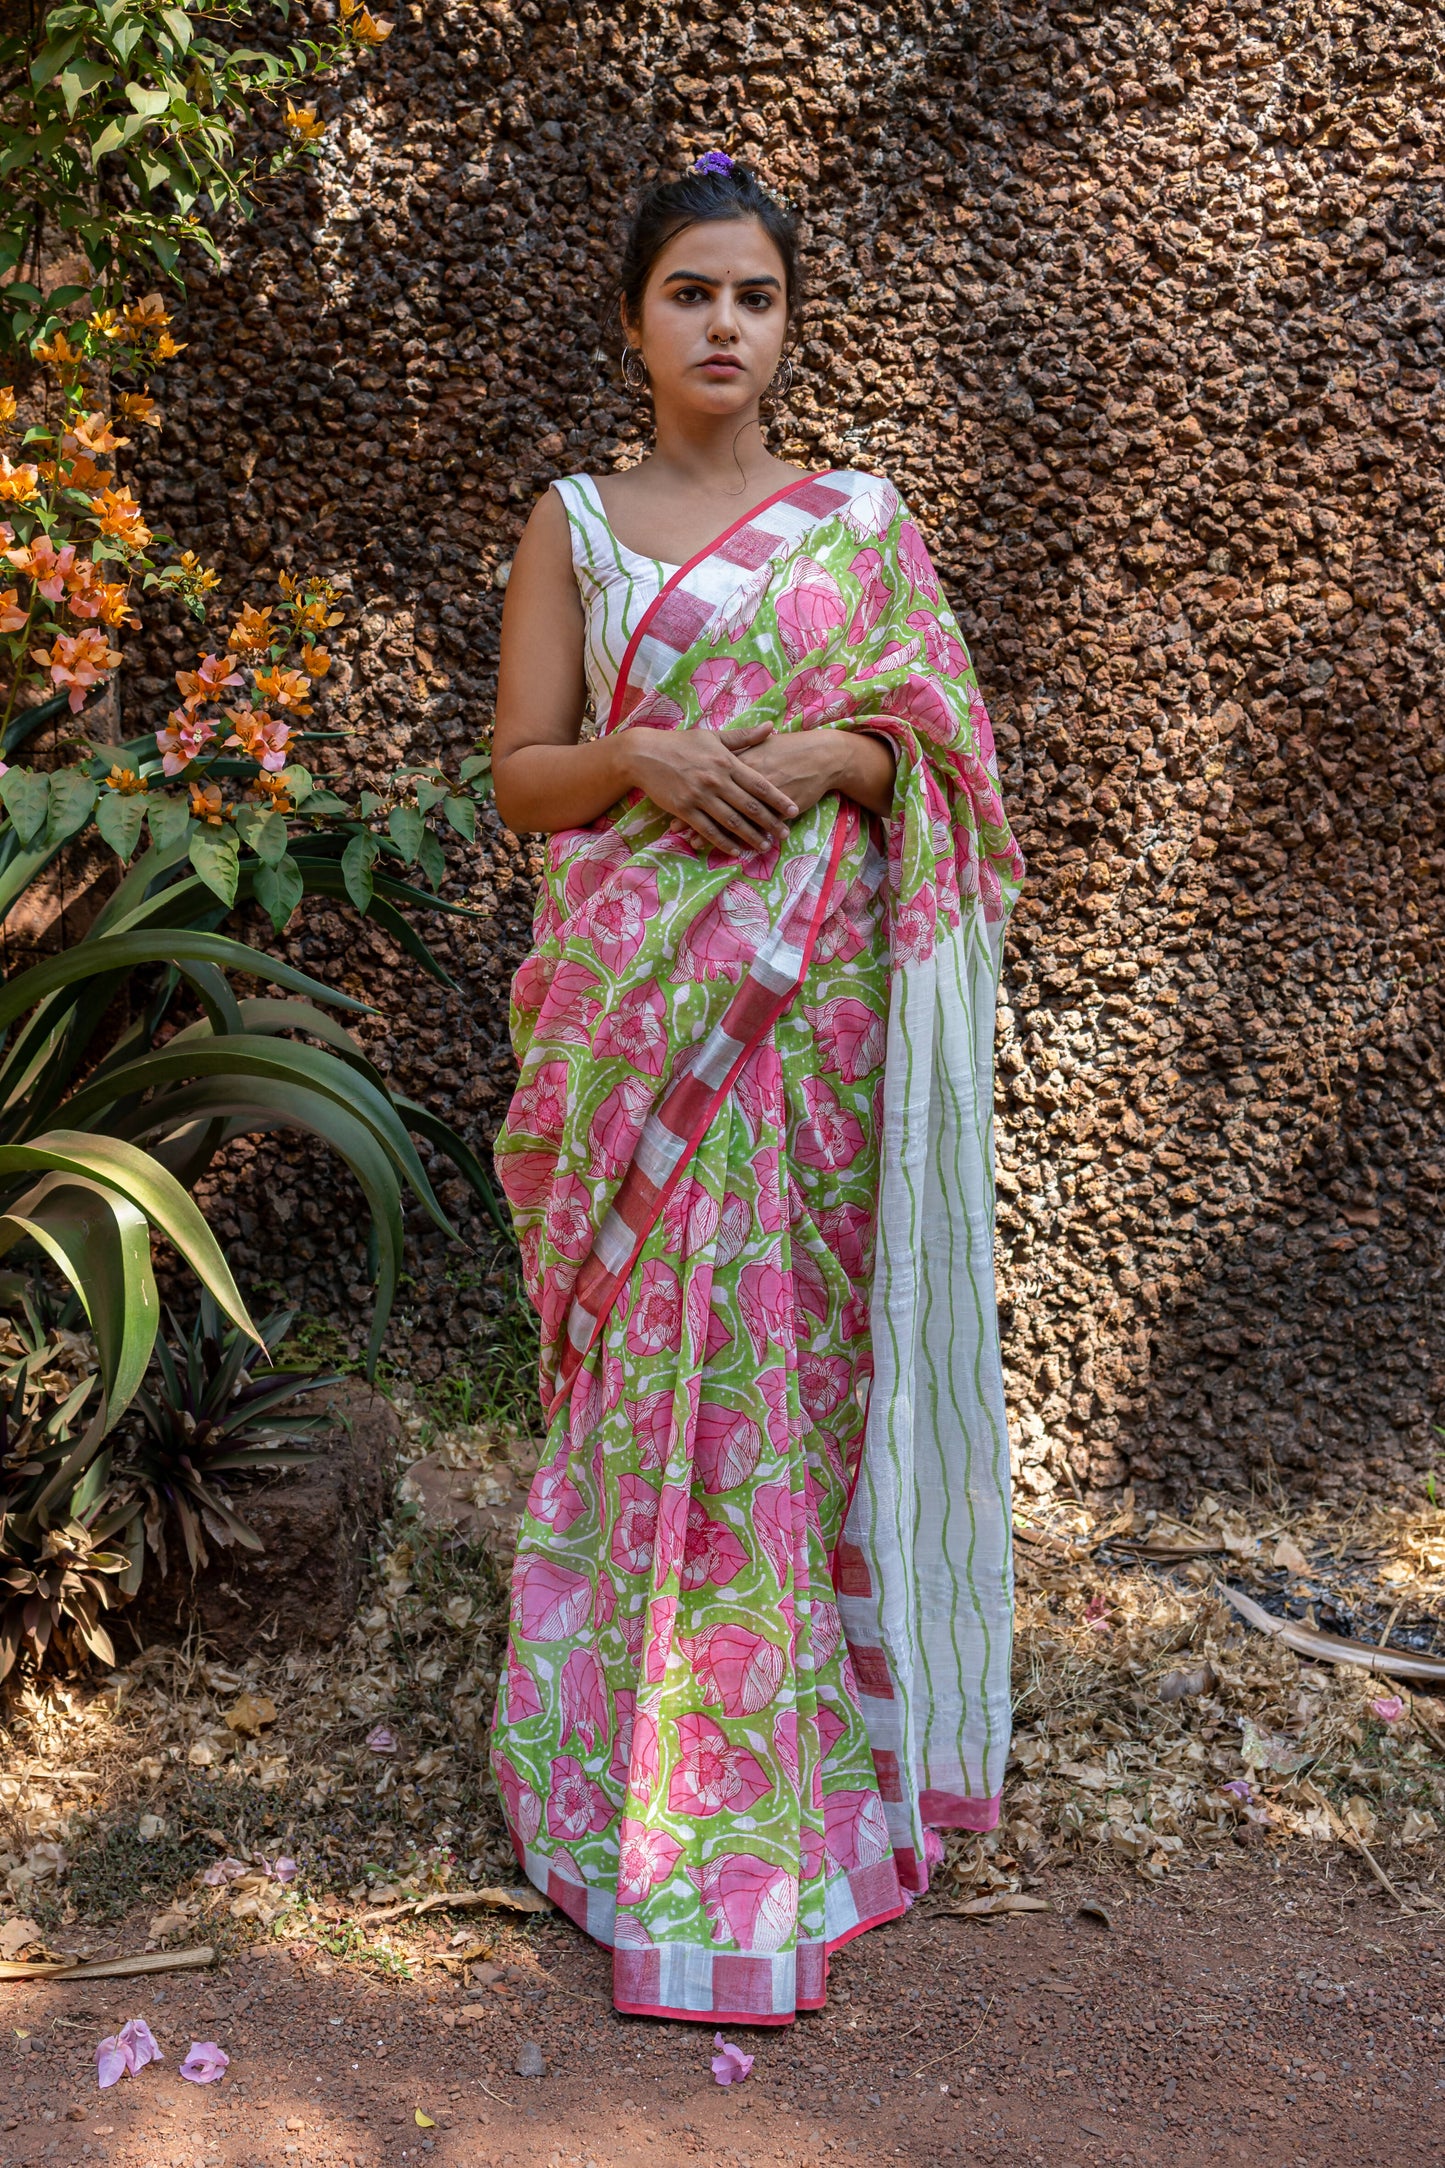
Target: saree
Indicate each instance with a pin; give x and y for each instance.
(761, 1610)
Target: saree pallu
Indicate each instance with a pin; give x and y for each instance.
(760, 1631)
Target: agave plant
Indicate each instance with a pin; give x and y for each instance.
(207, 1414)
(55, 1571)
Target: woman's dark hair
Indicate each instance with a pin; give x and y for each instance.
(698, 199)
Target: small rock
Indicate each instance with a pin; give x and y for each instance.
(531, 2063)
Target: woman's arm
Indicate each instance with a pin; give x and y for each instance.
(807, 764)
(545, 779)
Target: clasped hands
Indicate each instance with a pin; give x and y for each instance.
(739, 789)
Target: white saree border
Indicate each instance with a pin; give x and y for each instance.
(925, 1580)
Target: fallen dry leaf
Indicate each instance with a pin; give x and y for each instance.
(998, 1900)
(18, 1936)
(1333, 1648)
(249, 1714)
(1091, 1909)
(425, 2122)
(1184, 1685)
(1288, 1554)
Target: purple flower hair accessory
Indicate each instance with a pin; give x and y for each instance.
(713, 162)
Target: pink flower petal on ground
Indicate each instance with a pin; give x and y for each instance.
(381, 1740)
(223, 1871)
(1389, 1708)
(205, 2062)
(139, 2043)
(280, 1870)
(729, 2066)
(110, 2062)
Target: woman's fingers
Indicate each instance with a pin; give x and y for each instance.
(745, 734)
(775, 799)
(748, 800)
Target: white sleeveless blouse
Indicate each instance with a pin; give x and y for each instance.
(616, 586)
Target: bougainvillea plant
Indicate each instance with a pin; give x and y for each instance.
(118, 136)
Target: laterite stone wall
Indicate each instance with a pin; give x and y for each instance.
(1140, 305)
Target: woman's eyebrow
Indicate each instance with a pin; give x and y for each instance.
(706, 278)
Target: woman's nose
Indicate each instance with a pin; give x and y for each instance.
(723, 327)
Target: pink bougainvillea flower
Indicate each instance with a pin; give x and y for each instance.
(1389, 1708)
(211, 677)
(183, 739)
(1096, 1614)
(205, 2062)
(729, 2066)
(48, 566)
(76, 661)
(281, 1870)
(126, 2052)
(223, 1871)
(1239, 1788)
(381, 1740)
(12, 617)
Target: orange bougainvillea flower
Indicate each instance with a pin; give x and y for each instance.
(167, 348)
(126, 782)
(361, 26)
(104, 323)
(12, 617)
(287, 688)
(184, 738)
(58, 353)
(18, 484)
(92, 433)
(263, 737)
(88, 595)
(137, 408)
(315, 661)
(252, 632)
(270, 790)
(212, 676)
(148, 314)
(302, 123)
(195, 578)
(49, 567)
(206, 804)
(76, 661)
(7, 404)
(80, 472)
(315, 616)
(117, 514)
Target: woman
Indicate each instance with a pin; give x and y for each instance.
(760, 1616)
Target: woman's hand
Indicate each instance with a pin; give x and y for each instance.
(807, 764)
(702, 778)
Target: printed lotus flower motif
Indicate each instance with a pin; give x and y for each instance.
(727, 1448)
(990, 891)
(617, 922)
(758, 1087)
(916, 562)
(724, 938)
(867, 570)
(569, 1218)
(587, 861)
(713, 1556)
(645, 1759)
(554, 1497)
(634, 1532)
(810, 609)
(831, 1728)
(768, 1176)
(645, 1858)
(772, 1519)
(893, 656)
(785, 1743)
(635, 1031)
(550, 1603)
(617, 1124)
(824, 1383)
(726, 689)
(830, 1137)
(855, 1829)
(734, 1225)
(810, 1288)
(827, 1632)
(712, 1773)
(576, 1807)
(848, 1231)
(624, 1711)
(738, 1671)
(942, 652)
(522, 1804)
(748, 1901)
(872, 512)
(852, 1038)
(773, 1386)
(651, 1424)
(718, 1336)
(654, 1324)
(690, 1216)
(820, 696)
(526, 1177)
(523, 1698)
(766, 1306)
(741, 612)
(657, 1641)
(918, 700)
(914, 925)
(672, 1517)
(539, 1105)
(583, 1700)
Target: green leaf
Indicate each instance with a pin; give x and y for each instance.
(279, 888)
(461, 814)
(26, 798)
(169, 818)
(123, 951)
(118, 817)
(429, 793)
(270, 837)
(101, 1242)
(116, 134)
(298, 781)
(213, 853)
(178, 24)
(135, 1175)
(327, 804)
(51, 58)
(406, 829)
(72, 799)
(150, 104)
(433, 859)
(357, 860)
(370, 804)
(475, 766)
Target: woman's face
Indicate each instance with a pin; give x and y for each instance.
(714, 317)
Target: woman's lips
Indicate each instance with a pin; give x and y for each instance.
(720, 365)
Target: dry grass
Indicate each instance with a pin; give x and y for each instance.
(119, 1792)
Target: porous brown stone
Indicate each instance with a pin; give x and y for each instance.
(1139, 305)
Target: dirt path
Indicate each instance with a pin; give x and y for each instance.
(1255, 2014)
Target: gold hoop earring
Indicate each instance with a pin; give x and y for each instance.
(634, 370)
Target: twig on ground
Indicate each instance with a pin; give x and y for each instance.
(962, 2047)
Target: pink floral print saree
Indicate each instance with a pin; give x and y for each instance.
(761, 1611)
